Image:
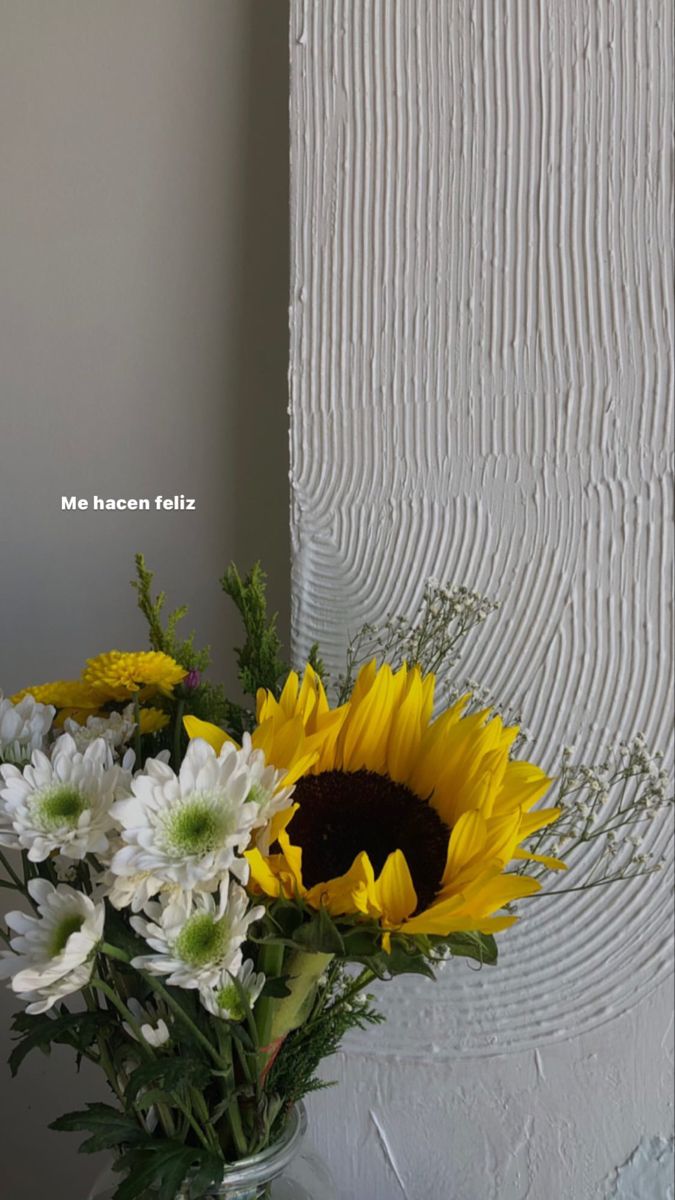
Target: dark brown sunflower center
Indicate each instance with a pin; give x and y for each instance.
(343, 813)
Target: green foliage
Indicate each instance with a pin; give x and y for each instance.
(78, 1030)
(359, 940)
(315, 660)
(107, 1126)
(151, 1166)
(165, 638)
(259, 659)
(170, 1076)
(206, 701)
(293, 1073)
(162, 1168)
(482, 947)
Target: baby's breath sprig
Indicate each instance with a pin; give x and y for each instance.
(612, 803)
(430, 639)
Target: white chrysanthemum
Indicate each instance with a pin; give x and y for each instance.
(196, 937)
(23, 728)
(134, 891)
(186, 829)
(154, 1030)
(53, 954)
(61, 803)
(265, 791)
(116, 729)
(226, 1000)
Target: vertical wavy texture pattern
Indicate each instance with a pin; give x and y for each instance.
(482, 382)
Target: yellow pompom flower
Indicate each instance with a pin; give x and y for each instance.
(152, 720)
(64, 693)
(399, 817)
(119, 675)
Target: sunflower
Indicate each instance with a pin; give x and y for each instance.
(119, 675)
(399, 817)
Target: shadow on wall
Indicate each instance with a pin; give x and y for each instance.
(260, 367)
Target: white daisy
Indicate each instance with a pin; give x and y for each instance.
(53, 954)
(133, 891)
(196, 937)
(116, 729)
(62, 802)
(226, 1001)
(186, 829)
(265, 790)
(23, 728)
(154, 1030)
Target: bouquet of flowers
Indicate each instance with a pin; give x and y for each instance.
(209, 890)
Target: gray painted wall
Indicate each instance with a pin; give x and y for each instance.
(143, 351)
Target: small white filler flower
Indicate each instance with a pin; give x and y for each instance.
(196, 937)
(53, 953)
(61, 803)
(226, 1000)
(186, 829)
(153, 1029)
(23, 728)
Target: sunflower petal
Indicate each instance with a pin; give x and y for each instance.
(213, 734)
(553, 864)
(466, 841)
(394, 889)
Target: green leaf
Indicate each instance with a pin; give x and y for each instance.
(276, 986)
(108, 1127)
(169, 1074)
(163, 1167)
(480, 946)
(78, 1030)
(320, 934)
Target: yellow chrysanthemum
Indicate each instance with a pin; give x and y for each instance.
(65, 693)
(119, 675)
(152, 720)
(399, 817)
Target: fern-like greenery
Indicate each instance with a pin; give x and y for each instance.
(259, 658)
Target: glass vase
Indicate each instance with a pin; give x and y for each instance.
(287, 1170)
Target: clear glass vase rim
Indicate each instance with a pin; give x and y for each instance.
(270, 1162)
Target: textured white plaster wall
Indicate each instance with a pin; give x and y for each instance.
(481, 384)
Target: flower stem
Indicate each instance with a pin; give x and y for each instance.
(176, 1008)
(137, 731)
(177, 734)
(16, 879)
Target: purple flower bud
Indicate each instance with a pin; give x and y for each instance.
(192, 680)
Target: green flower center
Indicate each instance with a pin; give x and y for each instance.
(63, 806)
(228, 999)
(203, 940)
(257, 795)
(196, 828)
(70, 924)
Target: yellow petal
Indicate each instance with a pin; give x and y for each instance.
(293, 857)
(467, 839)
(554, 864)
(394, 889)
(531, 822)
(262, 874)
(405, 731)
(348, 893)
(213, 734)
